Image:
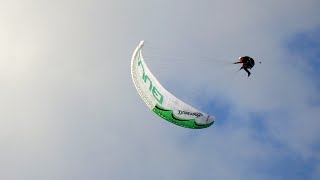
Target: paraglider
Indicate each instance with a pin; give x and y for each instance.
(247, 63)
(161, 101)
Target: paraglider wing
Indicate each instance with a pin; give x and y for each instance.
(160, 101)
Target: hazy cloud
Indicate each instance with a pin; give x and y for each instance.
(69, 109)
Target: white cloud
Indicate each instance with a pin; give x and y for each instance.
(70, 111)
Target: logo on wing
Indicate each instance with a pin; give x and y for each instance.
(195, 114)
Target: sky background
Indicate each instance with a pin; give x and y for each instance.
(69, 109)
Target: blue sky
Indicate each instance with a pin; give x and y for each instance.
(69, 109)
(305, 45)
